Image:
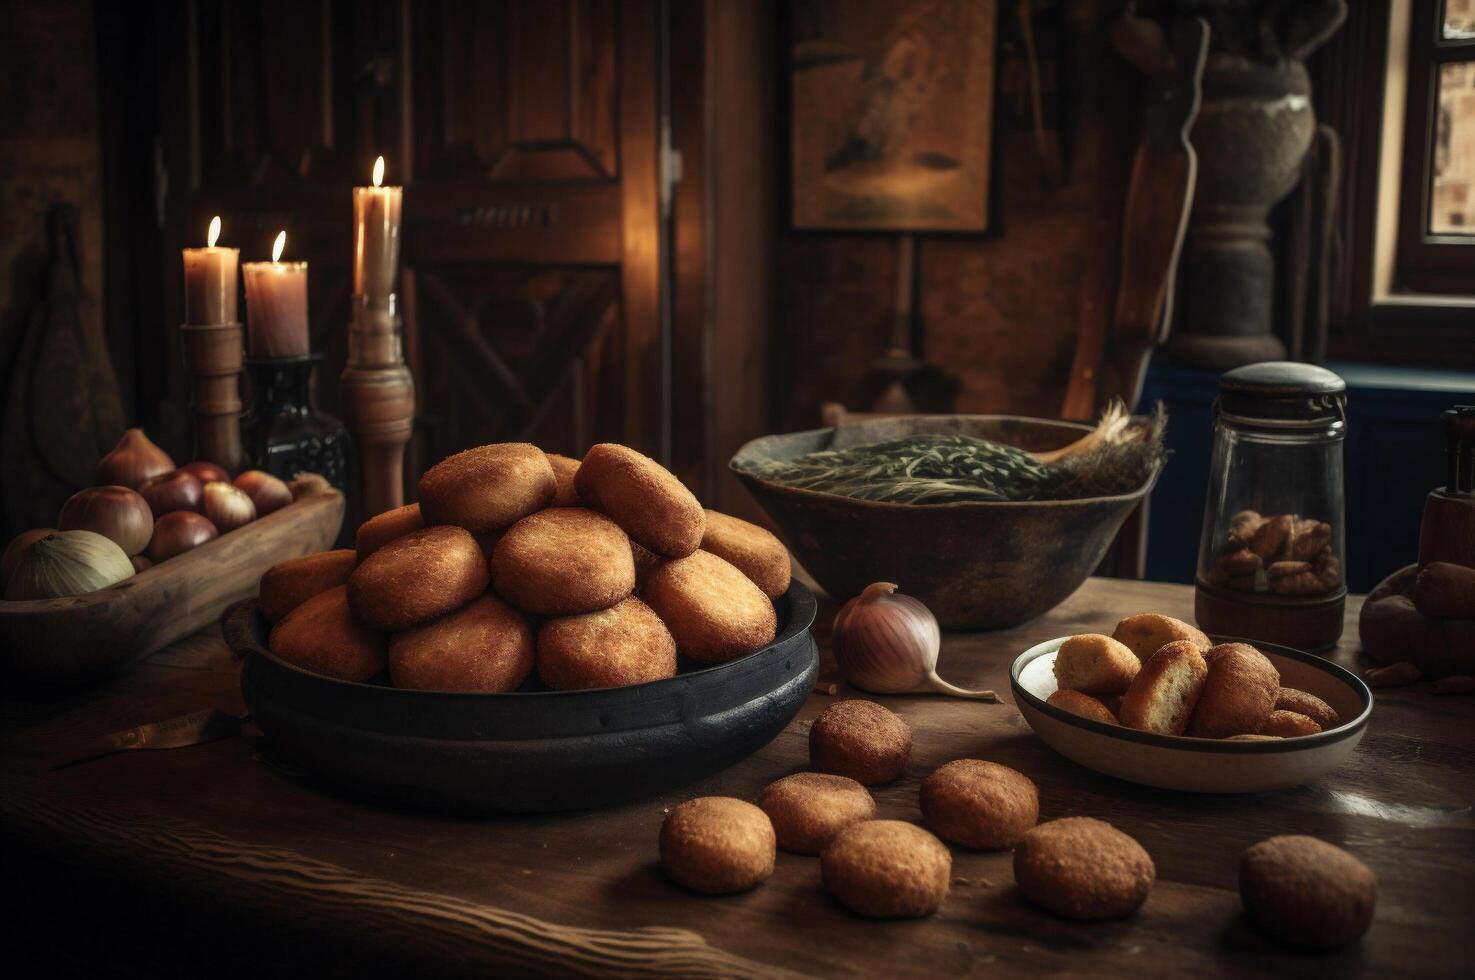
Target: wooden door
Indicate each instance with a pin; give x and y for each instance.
(531, 261)
(526, 135)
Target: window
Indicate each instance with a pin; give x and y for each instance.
(1436, 206)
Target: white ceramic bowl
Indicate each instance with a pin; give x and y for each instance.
(1200, 765)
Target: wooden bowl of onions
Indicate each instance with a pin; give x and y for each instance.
(192, 563)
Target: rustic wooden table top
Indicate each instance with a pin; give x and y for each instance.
(227, 851)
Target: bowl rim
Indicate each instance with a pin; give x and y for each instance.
(239, 629)
(804, 494)
(1189, 743)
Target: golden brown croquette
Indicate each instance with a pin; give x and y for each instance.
(1145, 633)
(1238, 694)
(862, 740)
(887, 869)
(419, 577)
(625, 644)
(1302, 703)
(1095, 664)
(381, 529)
(564, 494)
(1083, 868)
(287, 585)
(751, 549)
(1288, 724)
(717, 844)
(562, 562)
(809, 808)
(710, 607)
(643, 497)
(979, 804)
(1163, 693)
(321, 635)
(486, 646)
(1082, 705)
(1306, 892)
(487, 488)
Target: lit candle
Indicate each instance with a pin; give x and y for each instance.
(276, 305)
(376, 236)
(210, 278)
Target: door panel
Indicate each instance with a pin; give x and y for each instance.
(509, 351)
(516, 91)
(529, 296)
(526, 136)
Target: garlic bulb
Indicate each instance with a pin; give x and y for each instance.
(68, 563)
(887, 643)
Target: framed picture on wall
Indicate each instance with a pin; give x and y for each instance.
(891, 114)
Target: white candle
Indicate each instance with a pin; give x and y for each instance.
(376, 219)
(210, 280)
(276, 305)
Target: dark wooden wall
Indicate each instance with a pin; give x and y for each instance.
(1000, 312)
(49, 150)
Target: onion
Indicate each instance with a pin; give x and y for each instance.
(68, 563)
(142, 563)
(227, 507)
(266, 491)
(114, 512)
(308, 484)
(206, 472)
(887, 643)
(175, 490)
(16, 549)
(179, 531)
(133, 460)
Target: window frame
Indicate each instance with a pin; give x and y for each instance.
(1425, 262)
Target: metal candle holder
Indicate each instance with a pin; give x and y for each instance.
(377, 395)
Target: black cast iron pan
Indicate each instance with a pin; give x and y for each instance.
(528, 751)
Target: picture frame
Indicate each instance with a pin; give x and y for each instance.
(891, 115)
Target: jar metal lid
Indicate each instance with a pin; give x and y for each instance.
(1283, 393)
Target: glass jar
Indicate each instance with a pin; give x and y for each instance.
(1271, 554)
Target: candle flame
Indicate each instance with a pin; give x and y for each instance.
(278, 246)
(214, 230)
(378, 171)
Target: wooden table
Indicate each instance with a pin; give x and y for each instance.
(224, 857)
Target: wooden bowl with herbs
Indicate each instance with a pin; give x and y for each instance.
(990, 520)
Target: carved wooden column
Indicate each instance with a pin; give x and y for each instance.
(377, 395)
(213, 355)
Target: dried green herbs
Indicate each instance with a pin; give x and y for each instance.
(939, 469)
(918, 470)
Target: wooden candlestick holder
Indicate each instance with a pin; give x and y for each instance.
(378, 401)
(213, 355)
(1448, 529)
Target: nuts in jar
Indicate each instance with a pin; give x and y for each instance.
(1283, 553)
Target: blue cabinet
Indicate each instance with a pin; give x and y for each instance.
(1394, 457)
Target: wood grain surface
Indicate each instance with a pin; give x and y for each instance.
(226, 854)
